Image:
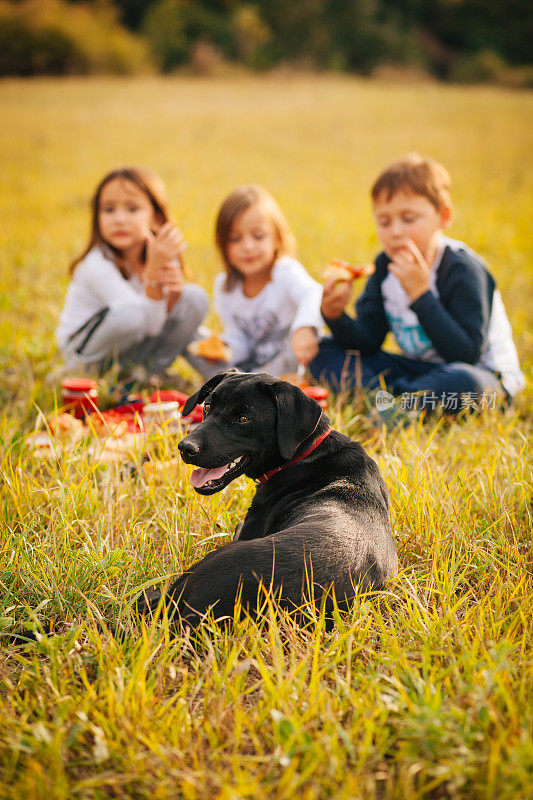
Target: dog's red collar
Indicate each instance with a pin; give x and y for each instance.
(264, 478)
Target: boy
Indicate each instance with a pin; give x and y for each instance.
(432, 292)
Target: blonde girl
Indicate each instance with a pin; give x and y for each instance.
(269, 305)
(127, 300)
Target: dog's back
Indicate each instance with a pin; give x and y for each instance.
(319, 520)
(334, 508)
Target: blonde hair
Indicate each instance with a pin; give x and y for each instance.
(416, 174)
(149, 183)
(235, 203)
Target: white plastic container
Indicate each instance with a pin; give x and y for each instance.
(161, 415)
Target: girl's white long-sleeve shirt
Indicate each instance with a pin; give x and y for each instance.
(97, 283)
(257, 328)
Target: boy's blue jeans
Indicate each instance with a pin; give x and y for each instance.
(444, 383)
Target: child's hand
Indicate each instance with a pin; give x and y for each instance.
(171, 282)
(304, 344)
(335, 297)
(170, 277)
(162, 247)
(412, 270)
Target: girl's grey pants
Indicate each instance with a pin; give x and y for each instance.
(112, 335)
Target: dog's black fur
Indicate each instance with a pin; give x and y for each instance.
(319, 523)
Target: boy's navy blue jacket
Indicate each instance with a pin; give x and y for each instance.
(457, 323)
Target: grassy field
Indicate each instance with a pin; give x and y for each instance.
(424, 692)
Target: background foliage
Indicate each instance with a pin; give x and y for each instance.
(465, 40)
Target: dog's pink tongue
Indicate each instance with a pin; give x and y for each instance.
(200, 476)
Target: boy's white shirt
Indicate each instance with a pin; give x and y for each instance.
(403, 321)
(96, 283)
(499, 352)
(256, 327)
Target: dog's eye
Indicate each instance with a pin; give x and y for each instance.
(242, 419)
(207, 408)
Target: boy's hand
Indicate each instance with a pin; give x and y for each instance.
(162, 247)
(335, 297)
(304, 343)
(412, 270)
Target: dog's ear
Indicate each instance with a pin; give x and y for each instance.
(206, 390)
(298, 416)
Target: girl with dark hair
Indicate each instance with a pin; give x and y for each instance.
(128, 301)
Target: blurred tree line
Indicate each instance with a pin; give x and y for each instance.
(452, 39)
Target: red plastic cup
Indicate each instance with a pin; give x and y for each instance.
(318, 393)
(79, 395)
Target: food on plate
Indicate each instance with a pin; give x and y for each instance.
(344, 271)
(66, 427)
(108, 425)
(212, 348)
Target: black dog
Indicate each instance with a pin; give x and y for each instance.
(319, 518)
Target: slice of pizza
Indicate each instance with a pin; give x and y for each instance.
(344, 271)
(212, 348)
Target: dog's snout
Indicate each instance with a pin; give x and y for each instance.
(188, 449)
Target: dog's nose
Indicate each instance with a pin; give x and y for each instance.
(188, 449)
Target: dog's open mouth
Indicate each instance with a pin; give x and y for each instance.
(209, 481)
